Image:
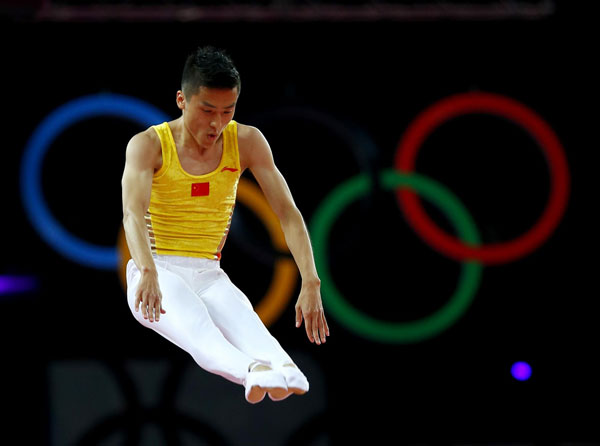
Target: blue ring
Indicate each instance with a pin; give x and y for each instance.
(39, 215)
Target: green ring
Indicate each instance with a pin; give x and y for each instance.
(375, 329)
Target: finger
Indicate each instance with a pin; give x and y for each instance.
(157, 310)
(322, 326)
(315, 328)
(138, 300)
(162, 310)
(151, 304)
(308, 327)
(145, 307)
(326, 325)
(298, 316)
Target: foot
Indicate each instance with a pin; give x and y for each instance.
(295, 381)
(262, 379)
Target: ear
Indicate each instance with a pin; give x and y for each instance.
(180, 99)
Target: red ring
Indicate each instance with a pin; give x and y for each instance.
(493, 104)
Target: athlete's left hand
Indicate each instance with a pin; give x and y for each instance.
(310, 308)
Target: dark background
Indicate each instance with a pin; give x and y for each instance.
(71, 338)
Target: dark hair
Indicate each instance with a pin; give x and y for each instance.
(209, 67)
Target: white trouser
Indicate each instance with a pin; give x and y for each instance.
(208, 317)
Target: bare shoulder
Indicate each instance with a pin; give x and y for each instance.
(253, 146)
(248, 135)
(144, 148)
(146, 141)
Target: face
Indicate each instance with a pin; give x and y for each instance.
(207, 112)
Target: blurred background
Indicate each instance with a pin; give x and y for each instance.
(425, 347)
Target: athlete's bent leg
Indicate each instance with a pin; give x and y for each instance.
(188, 324)
(233, 314)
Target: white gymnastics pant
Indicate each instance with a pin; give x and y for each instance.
(208, 317)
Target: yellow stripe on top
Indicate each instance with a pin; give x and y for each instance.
(190, 215)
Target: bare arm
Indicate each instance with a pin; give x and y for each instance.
(257, 156)
(142, 157)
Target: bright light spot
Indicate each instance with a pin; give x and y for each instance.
(16, 284)
(521, 371)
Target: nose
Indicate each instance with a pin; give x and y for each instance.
(215, 122)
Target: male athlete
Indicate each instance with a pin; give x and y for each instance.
(179, 188)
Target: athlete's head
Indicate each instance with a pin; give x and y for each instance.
(211, 68)
(210, 87)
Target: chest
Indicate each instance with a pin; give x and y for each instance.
(196, 164)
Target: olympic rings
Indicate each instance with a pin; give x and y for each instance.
(365, 325)
(285, 272)
(494, 104)
(468, 249)
(39, 215)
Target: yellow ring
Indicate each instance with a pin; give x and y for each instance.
(285, 272)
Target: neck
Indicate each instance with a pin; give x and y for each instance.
(189, 142)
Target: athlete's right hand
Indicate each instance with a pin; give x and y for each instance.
(149, 296)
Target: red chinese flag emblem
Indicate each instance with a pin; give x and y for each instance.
(200, 189)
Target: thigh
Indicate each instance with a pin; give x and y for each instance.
(183, 308)
(188, 324)
(233, 314)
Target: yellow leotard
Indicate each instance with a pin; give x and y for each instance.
(190, 215)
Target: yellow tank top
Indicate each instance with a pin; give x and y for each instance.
(190, 215)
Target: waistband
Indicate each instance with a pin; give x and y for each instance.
(188, 262)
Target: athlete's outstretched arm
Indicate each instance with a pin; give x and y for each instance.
(141, 158)
(257, 156)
